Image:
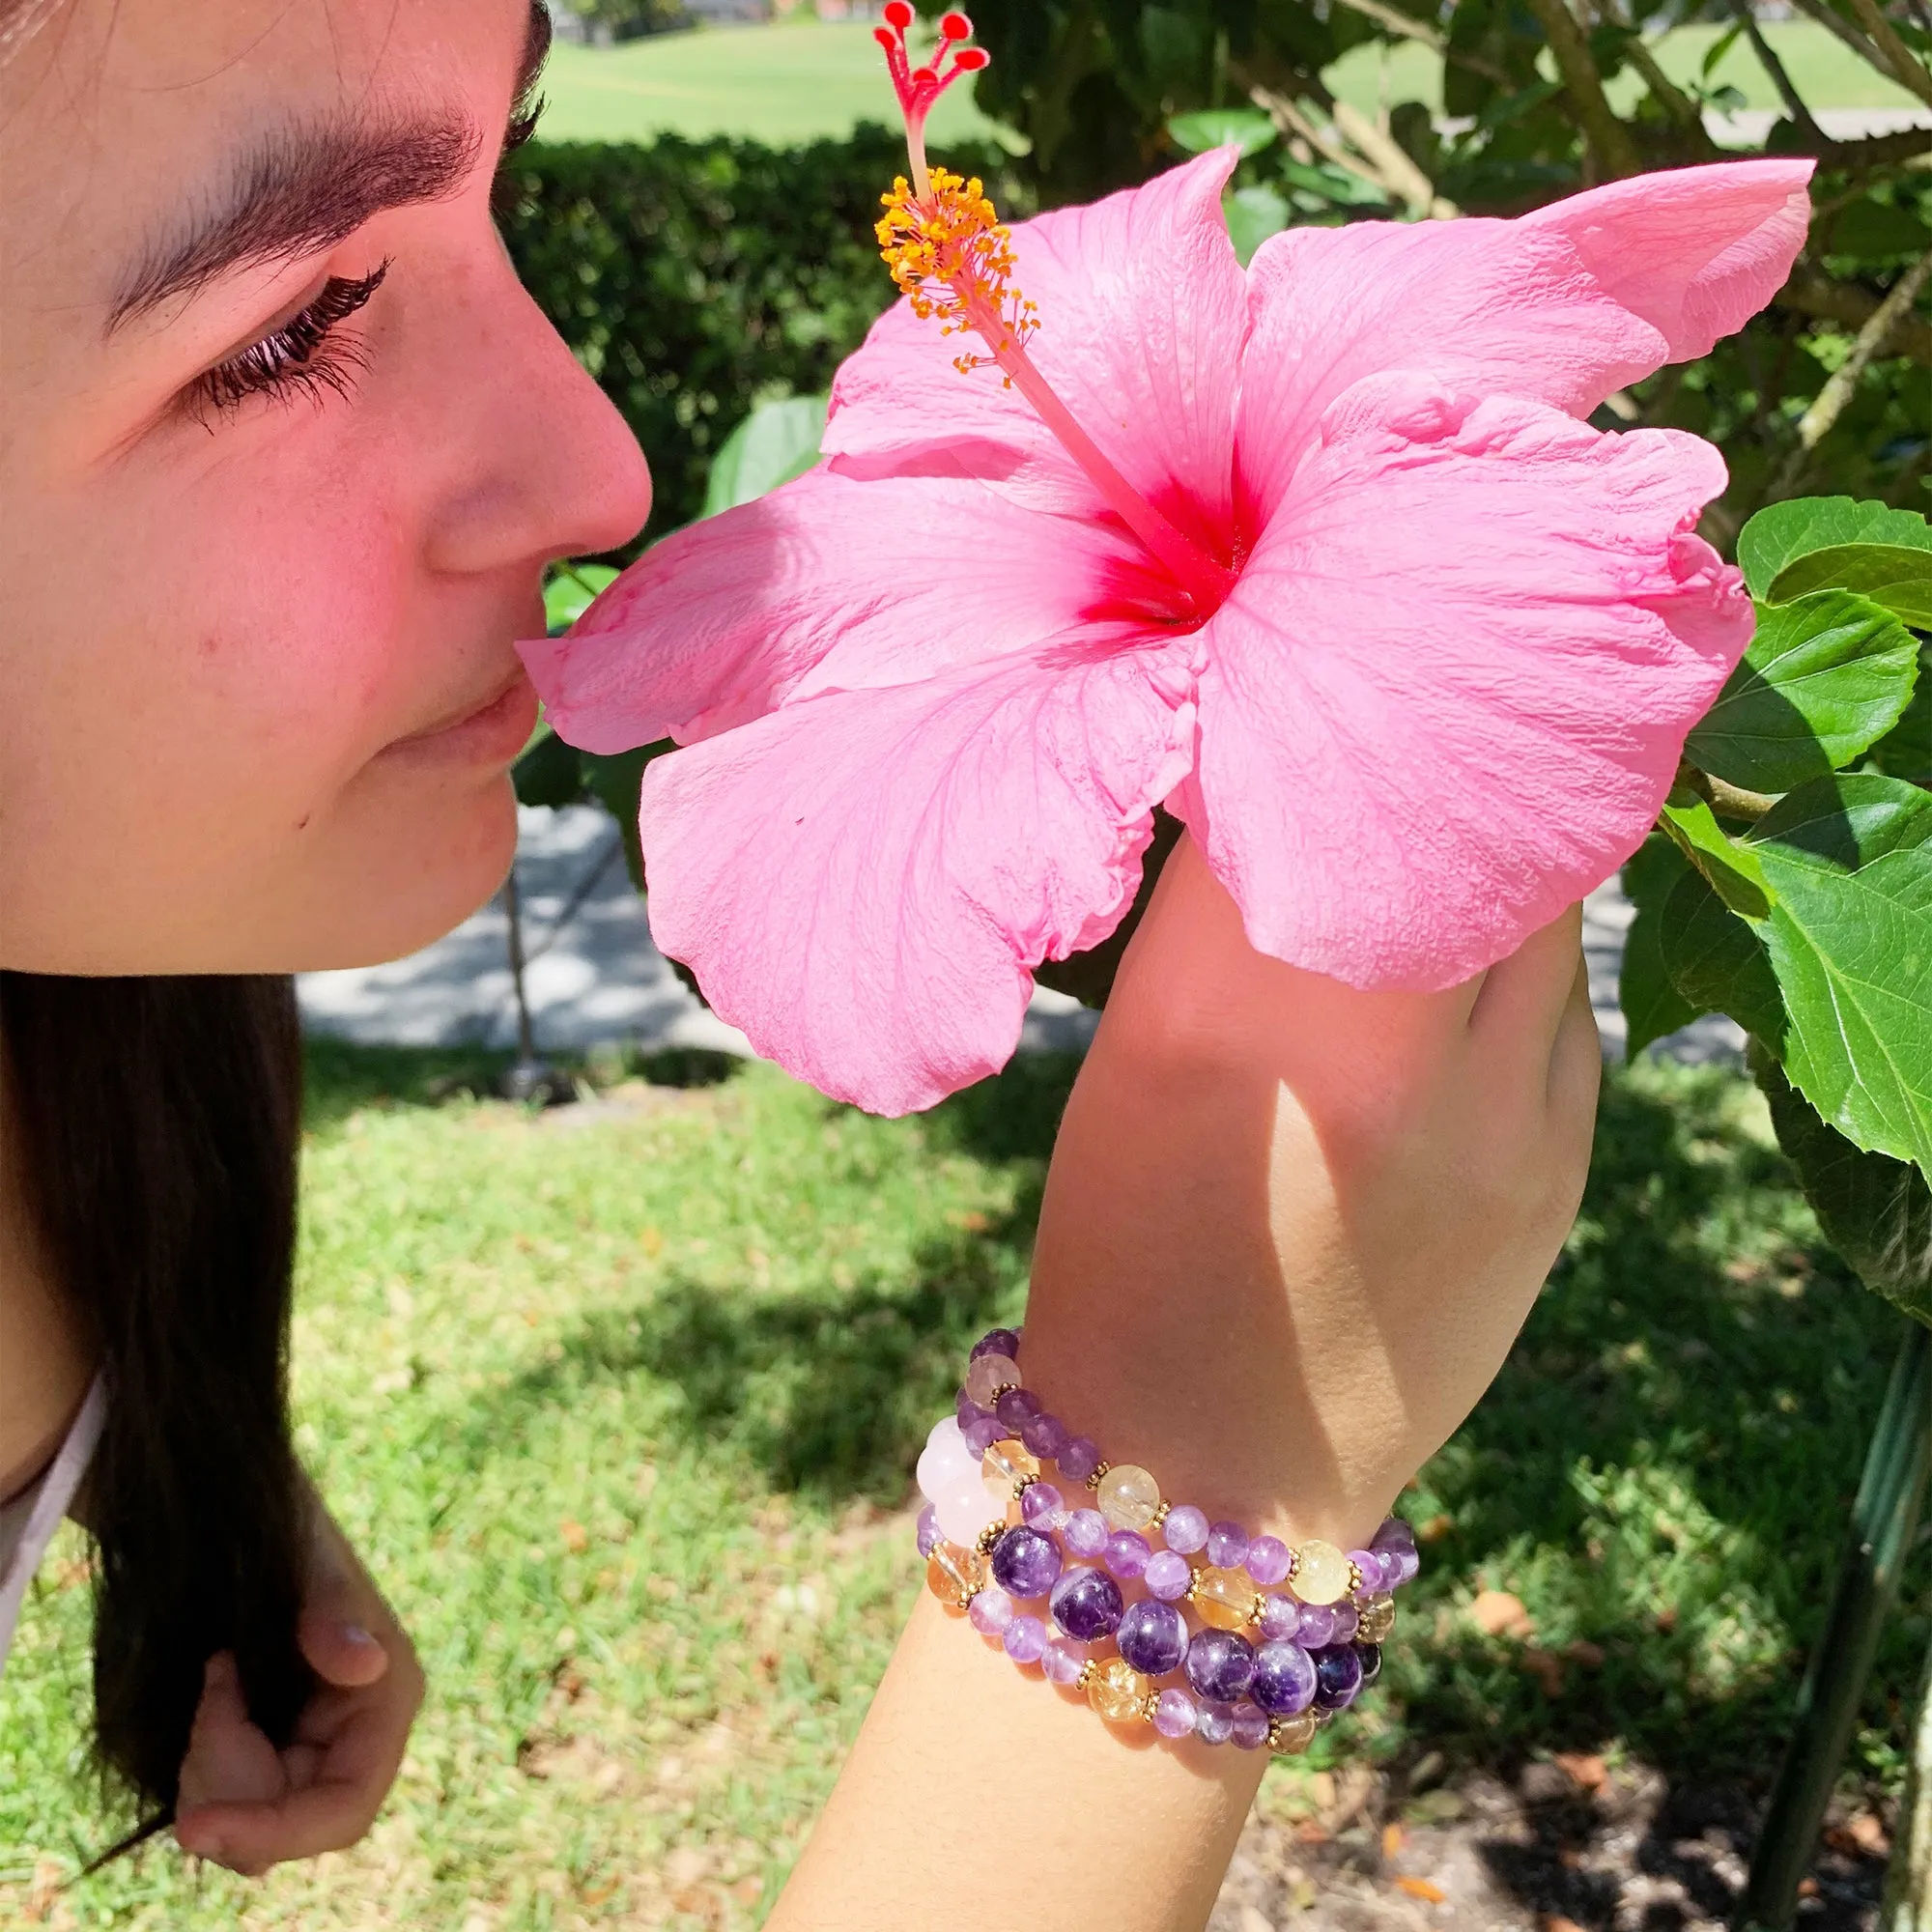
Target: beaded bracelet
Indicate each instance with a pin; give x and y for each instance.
(1319, 1648)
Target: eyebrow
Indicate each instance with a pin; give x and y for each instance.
(304, 188)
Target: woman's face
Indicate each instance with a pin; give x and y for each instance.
(284, 448)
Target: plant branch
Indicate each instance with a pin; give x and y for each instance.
(1396, 165)
(1906, 69)
(1809, 293)
(1829, 401)
(1395, 21)
(1767, 58)
(1288, 116)
(1728, 800)
(1610, 139)
(1830, 17)
(1874, 151)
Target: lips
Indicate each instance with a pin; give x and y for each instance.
(491, 733)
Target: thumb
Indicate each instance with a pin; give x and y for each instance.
(339, 1650)
(228, 1759)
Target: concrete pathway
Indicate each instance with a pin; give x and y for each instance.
(592, 976)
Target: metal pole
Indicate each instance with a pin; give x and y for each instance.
(1884, 1515)
(1908, 1881)
(526, 1039)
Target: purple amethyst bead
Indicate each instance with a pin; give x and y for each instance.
(1153, 1637)
(1167, 1575)
(1063, 1661)
(1251, 1727)
(1281, 1618)
(982, 1434)
(1371, 1566)
(1087, 1604)
(1227, 1545)
(1174, 1712)
(990, 1611)
(928, 1530)
(1347, 1621)
(1407, 1563)
(1220, 1664)
(1338, 1677)
(1284, 1680)
(1015, 1407)
(1025, 1562)
(1126, 1554)
(1215, 1723)
(1041, 1505)
(1268, 1560)
(1085, 1532)
(1185, 1530)
(1371, 1655)
(997, 1342)
(1395, 1533)
(1079, 1458)
(1316, 1626)
(1044, 1437)
(1025, 1640)
(966, 1409)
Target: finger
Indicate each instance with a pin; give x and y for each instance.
(340, 1650)
(330, 1816)
(228, 1758)
(1525, 997)
(1576, 1064)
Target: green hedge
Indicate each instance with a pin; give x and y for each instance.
(698, 278)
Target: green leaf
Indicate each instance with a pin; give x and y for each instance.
(1825, 678)
(1870, 228)
(1848, 861)
(1651, 871)
(1897, 576)
(1247, 129)
(1784, 531)
(1717, 961)
(1732, 869)
(571, 591)
(548, 770)
(776, 442)
(612, 780)
(1652, 1005)
(1254, 213)
(1876, 1211)
(1333, 184)
(1905, 752)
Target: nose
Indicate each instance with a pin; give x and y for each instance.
(538, 464)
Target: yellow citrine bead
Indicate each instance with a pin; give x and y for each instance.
(1225, 1597)
(1004, 1464)
(1117, 1691)
(1289, 1735)
(1129, 1496)
(1320, 1574)
(952, 1574)
(1378, 1619)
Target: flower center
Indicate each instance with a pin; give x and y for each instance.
(952, 259)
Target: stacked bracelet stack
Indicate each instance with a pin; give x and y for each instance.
(1267, 1665)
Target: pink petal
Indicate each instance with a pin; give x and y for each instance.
(1565, 305)
(860, 881)
(825, 582)
(1450, 692)
(1695, 251)
(1142, 317)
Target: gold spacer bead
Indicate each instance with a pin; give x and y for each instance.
(989, 1536)
(1356, 1579)
(1087, 1672)
(1147, 1704)
(1024, 1484)
(1100, 1469)
(1253, 1616)
(1160, 1514)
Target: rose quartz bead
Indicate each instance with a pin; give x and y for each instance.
(962, 1511)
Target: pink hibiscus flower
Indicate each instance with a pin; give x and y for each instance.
(1316, 553)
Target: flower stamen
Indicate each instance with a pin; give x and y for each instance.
(951, 258)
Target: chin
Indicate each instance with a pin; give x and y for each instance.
(411, 879)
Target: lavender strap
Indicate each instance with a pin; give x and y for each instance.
(56, 1495)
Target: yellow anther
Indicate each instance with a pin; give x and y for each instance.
(952, 259)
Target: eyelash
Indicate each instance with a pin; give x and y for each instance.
(303, 357)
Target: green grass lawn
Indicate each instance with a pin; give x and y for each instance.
(621, 1402)
(800, 80)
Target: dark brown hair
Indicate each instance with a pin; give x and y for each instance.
(158, 1122)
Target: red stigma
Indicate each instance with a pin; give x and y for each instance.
(956, 27)
(898, 15)
(970, 60)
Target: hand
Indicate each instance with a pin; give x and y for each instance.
(1292, 1229)
(244, 1804)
